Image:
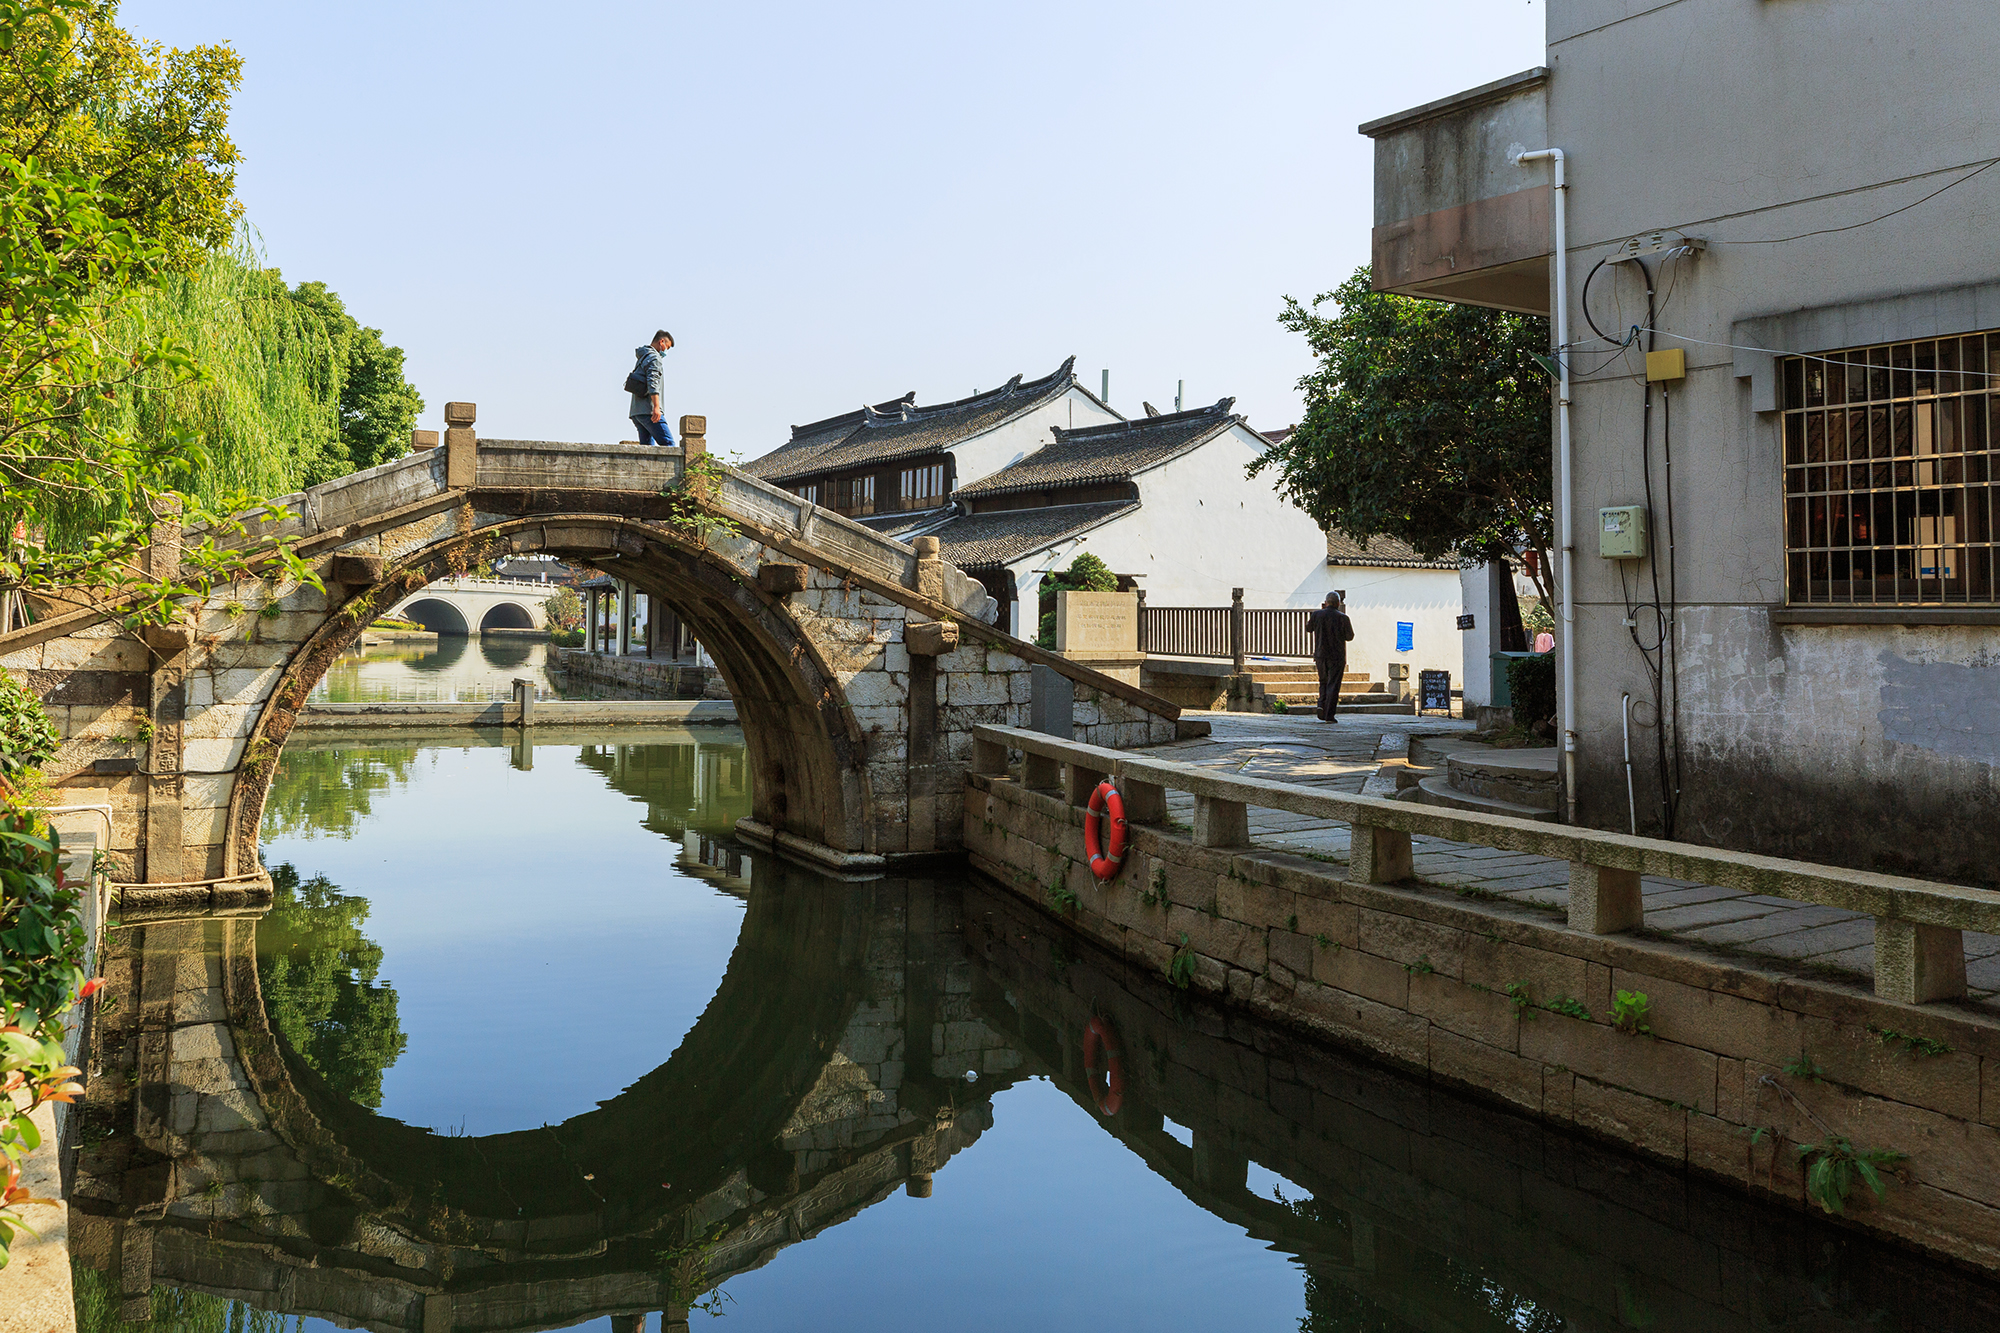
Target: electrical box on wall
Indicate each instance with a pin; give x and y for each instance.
(1668, 364)
(1621, 532)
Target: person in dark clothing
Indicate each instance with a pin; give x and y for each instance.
(648, 413)
(1330, 629)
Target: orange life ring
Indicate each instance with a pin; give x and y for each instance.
(1111, 1095)
(1105, 854)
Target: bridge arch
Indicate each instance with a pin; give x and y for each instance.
(805, 746)
(436, 614)
(506, 615)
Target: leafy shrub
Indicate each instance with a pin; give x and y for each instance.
(566, 638)
(1532, 683)
(1086, 573)
(27, 738)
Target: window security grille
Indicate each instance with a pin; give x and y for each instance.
(1889, 474)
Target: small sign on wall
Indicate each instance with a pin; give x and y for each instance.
(1406, 636)
(1465, 622)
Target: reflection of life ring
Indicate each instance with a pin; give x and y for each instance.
(1105, 854)
(1110, 1094)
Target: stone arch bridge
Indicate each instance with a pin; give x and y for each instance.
(858, 663)
(472, 605)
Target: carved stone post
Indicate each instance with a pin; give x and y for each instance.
(166, 707)
(694, 437)
(930, 569)
(461, 446)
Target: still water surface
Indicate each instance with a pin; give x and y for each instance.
(453, 668)
(548, 1046)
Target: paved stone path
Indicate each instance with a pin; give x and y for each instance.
(1346, 757)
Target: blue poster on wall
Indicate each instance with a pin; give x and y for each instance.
(1406, 636)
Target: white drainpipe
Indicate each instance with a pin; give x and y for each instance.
(1567, 532)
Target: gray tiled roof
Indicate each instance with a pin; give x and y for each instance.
(1107, 453)
(1342, 549)
(903, 429)
(896, 525)
(987, 541)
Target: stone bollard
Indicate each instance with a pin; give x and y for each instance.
(694, 436)
(461, 446)
(930, 569)
(421, 440)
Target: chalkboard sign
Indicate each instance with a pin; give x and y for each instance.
(1465, 622)
(1433, 691)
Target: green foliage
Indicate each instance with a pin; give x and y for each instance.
(375, 406)
(1517, 991)
(175, 1309)
(1292, 922)
(1425, 421)
(115, 176)
(27, 737)
(689, 500)
(1628, 1012)
(1569, 1006)
(318, 973)
(1915, 1045)
(1280, 706)
(1086, 573)
(86, 98)
(1180, 968)
(329, 791)
(1061, 897)
(684, 1270)
(1805, 1067)
(42, 947)
(1532, 683)
(1157, 893)
(1834, 1164)
(1422, 967)
(566, 638)
(1324, 941)
(564, 609)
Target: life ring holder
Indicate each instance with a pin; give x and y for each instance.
(1107, 853)
(1101, 1038)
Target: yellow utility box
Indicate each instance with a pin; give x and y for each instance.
(1621, 532)
(1668, 364)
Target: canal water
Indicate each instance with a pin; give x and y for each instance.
(528, 1042)
(451, 668)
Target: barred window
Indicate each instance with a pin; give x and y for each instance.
(923, 486)
(1889, 473)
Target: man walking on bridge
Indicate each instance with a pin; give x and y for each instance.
(647, 413)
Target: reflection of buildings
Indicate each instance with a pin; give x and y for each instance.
(700, 786)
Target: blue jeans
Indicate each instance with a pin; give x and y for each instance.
(654, 432)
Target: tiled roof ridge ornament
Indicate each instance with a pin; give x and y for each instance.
(1220, 408)
(857, 417)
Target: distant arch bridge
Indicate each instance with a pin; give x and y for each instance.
(471, 606)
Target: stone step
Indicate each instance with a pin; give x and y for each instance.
(1440, 792)
(1433, 751)
(1521, 777)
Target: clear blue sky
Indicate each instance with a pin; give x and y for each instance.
(826, 203)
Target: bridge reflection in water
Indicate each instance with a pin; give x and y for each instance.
(829, 1071)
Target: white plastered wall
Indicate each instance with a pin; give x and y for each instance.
(1010, 442)
(1204, 527)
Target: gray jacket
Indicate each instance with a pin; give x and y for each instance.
(652, 367)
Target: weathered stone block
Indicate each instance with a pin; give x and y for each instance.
(461, 414)
(964, 687)
(1384, 1029)
(1358, 973)
(1722, 1023)
(212, 756)
(1481, 1065)
(1656, 1068)
(72, 654)
(356, 570)
(1646, 1123)
(934, 638)
(1417, 943)
(1480, 1015)
(781, 579)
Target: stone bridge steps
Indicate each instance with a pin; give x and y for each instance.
(1470, 775)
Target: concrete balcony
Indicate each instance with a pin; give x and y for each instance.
(1455, 218)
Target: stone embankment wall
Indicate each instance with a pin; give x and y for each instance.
(1460, 989)
(644, 677)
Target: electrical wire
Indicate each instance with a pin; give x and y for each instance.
(1812, 356)
(1828, 231)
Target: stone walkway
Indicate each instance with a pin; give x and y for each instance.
(1346, 756)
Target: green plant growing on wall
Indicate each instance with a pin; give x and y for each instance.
(1280, 706)
(1833, 1165)
(689, 500)
(1157, 894)
(28, 738)
(1180, 968)
(1570, 1007)
(1915, 1045)
(1517, 991)
(1422, 967)
(1324, 941)
(1805, 1067)
(1061, 897)
(1292, 922)
(1628, 1012)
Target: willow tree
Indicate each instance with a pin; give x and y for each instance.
(1425, 421)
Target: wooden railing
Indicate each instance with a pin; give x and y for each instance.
(1230, 633)
(1919, 925)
